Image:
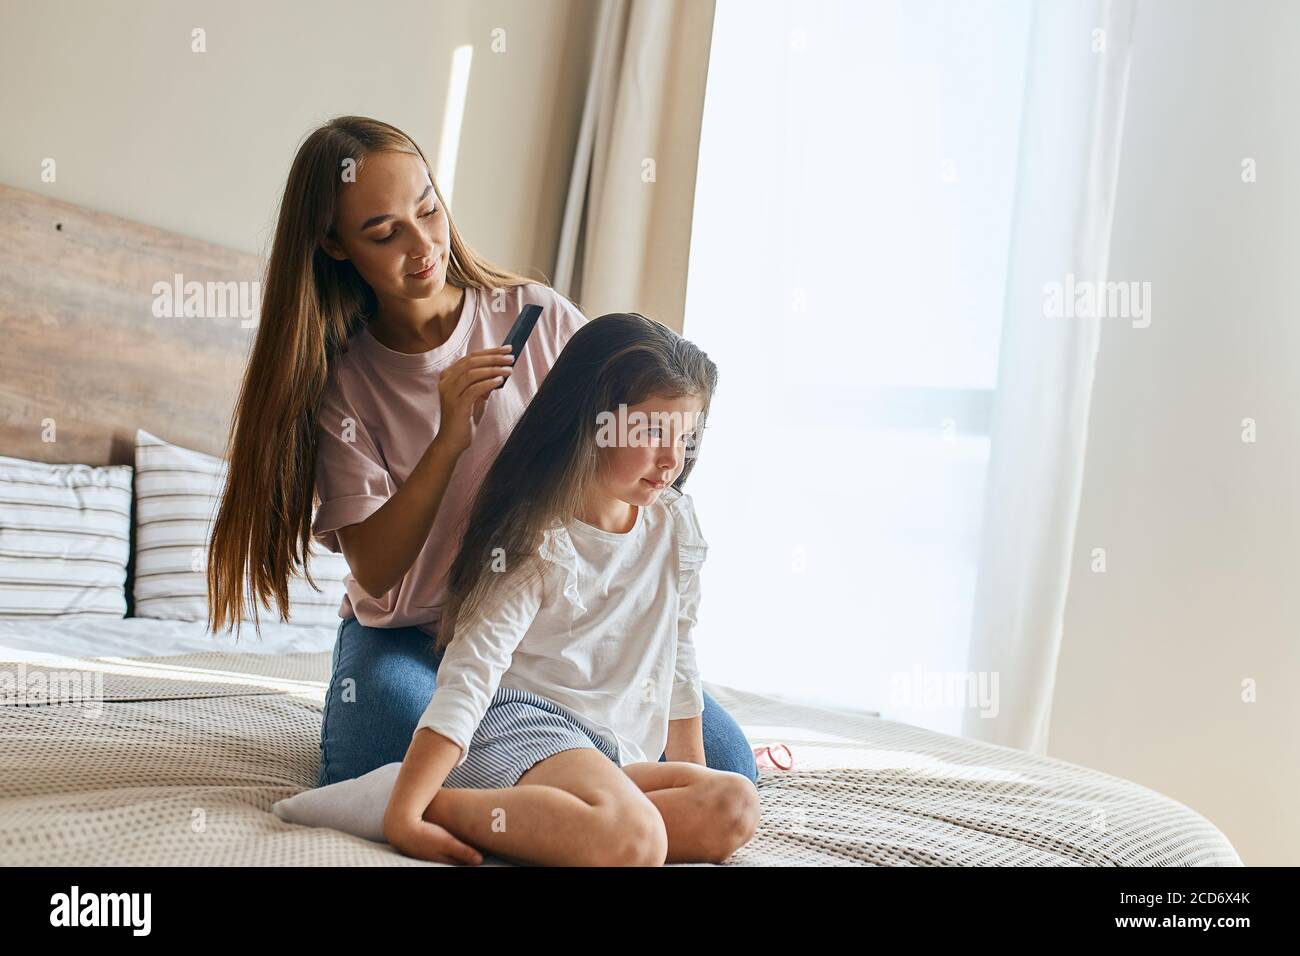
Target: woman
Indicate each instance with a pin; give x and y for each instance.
(377, 380)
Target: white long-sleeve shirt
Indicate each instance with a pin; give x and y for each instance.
(607, 635)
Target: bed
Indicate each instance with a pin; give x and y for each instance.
(145, 742)
(193, 739)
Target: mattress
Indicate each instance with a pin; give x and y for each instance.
(148, 743)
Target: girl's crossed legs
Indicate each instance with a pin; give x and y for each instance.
(578, 808)
(589, 807)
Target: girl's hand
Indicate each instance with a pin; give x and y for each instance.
(463, 390)
(415, 791)
(417, 837)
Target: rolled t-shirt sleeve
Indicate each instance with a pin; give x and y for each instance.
(471, 667)
(569, 318)
(351, 479)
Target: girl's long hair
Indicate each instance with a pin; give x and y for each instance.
(545, 467)
(311, 304)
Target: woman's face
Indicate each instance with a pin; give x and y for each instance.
(391, 225)
(658, 432)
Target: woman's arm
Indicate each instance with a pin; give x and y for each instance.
(381, 549)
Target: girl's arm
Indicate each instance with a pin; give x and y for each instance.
(428, 761)
(686, 706)
(686, 740)
(687, 698)
(468, 677)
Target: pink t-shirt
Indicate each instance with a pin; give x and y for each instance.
(381, 410)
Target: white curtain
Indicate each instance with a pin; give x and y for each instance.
(625, 237)
(1077, 77)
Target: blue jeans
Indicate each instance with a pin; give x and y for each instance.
(382, 679)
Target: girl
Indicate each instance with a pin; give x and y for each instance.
(372, 381)
(571, 665)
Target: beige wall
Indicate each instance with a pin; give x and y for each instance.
(1200, 529)
(201, 143)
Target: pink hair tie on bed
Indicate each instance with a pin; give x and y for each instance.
(774, 756)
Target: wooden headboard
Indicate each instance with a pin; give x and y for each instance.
(84, 357)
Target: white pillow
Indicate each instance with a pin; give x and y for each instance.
(177, 493)
(64, 539)
(355, 806)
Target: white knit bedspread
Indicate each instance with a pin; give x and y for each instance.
(180, 760)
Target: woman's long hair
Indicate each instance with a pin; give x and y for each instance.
(311, 304)
(545, 467)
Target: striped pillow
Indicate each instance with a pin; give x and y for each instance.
(177, 493)
(64, 539)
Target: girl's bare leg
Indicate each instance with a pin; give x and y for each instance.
(576, 808)
(709, 814)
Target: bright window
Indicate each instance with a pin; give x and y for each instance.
(848, 260)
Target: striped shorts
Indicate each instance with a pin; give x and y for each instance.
(519, 729)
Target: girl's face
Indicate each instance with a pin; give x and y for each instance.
(658, 432)
(391, 226)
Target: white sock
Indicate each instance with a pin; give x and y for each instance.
(354, 806)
